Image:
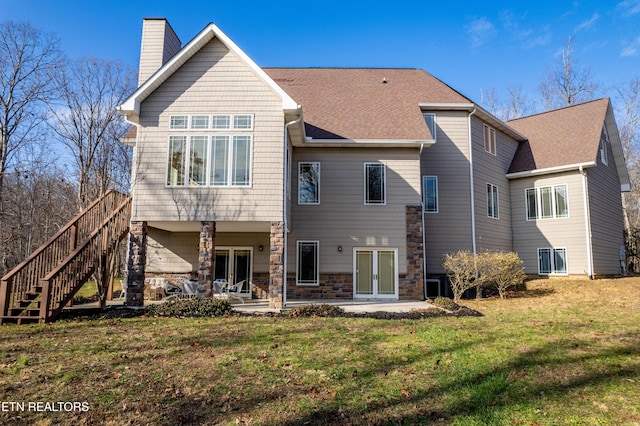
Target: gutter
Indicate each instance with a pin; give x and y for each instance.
(550, 170)
(285, 189)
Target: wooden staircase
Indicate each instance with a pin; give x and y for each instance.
(38, 288)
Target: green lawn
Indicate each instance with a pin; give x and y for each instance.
(563, 352)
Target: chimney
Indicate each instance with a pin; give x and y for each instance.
(159, 44)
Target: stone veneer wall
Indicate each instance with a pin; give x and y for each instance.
(136, 262)
(206, 255)
(411, 285)
(332, 286)
(276, 265)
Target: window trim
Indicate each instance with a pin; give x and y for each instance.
(368, 202)
(552, 261)
(492, 139)
(493, 188)
(424, 194)
(538, 197)
(316, 245)
(300, 164)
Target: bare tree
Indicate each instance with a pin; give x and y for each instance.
(490, 101)
(628, 100)
(567, 83)
(87, 123)
(39, 200)
(27, 57)
(517, 105)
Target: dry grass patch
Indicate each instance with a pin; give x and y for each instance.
(563, 352)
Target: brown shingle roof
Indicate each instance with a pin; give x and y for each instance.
(561, 137)
(357, 103)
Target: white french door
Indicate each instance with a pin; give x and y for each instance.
(375, 273)
(233, 264)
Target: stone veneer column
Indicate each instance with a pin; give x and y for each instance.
(276, 265)
(415, 253)
(206, 255)
(136, 263)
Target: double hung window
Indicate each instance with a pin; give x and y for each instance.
(490, 139)
(492, 201)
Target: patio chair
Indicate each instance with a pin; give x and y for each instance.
(233, 291)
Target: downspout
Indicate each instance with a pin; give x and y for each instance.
(587, 222)
(424, 249)
(285, 190)
(473, 203)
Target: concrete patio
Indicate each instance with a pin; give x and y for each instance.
(357, 306)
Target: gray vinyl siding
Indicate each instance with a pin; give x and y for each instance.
(569, 233)
(177, 252)
(341, 218)
(492, 234)
(214, 81)
(448, 230)
(607, 222)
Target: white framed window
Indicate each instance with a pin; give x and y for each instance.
(547, 202)
(198, 160)
(178, 122)
(308, 183)
(307, 264)
(430, 119)
(221, 122)
(604, 142)
(490, 139)
(176, 165)
(492, 201)
(243, 122)
(199, 122)
(430, 194)
(552, 261)
(375, 184)
(214, 161)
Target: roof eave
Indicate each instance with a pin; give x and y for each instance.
(551, 170)
(131, 106)
(374, 143)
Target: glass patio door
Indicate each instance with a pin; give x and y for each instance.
(376, 274)
(233, 264)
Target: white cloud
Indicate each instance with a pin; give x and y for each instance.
(588, 23)
(632, 48)
(481, 31)
(629, 7)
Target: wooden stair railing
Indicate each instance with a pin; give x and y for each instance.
(38, 288)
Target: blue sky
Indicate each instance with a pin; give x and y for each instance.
(472, 46)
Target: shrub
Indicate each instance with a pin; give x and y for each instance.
(445, 303)
(322, 310)
(502, 270)
(191, 308)
(461, 270)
